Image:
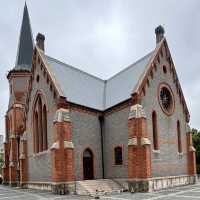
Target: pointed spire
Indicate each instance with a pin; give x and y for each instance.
(26, 45)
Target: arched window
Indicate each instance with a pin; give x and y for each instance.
(11, 126)
(35, 138)
(44, 125)
(88, 164)
(118, 155)
(179, 137)
(39, 126)
(155, 131)
(40, 131)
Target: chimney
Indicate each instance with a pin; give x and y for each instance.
(159, 31)
(40, 41)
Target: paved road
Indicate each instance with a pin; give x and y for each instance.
(182, 193)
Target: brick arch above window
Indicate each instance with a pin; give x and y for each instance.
(43, 99)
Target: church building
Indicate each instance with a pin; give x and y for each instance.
(67, 130)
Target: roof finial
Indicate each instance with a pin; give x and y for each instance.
(159, 31)
(40, 41)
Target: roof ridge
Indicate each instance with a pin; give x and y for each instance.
(104, 80)
(74, 68)
(131, 65)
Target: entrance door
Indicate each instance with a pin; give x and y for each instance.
(88, 168)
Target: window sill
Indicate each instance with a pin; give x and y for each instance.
(180, 155)
(156, 151)
(114, 165)
(41, 153)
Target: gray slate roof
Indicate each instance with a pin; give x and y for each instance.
(26, 44)
(84, 89)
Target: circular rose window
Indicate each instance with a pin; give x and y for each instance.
(166, 99)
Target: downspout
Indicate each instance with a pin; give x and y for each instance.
(101, 122)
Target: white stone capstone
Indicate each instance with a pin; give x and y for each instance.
(24, 137)
(22, 156)
(132, 141)
(62, 115)
(188, 129)
(145, 141)
(12, 136)
(137, 111)
(68, 145)
(55, 145)
(11, 164)
(4, 166)
(192, 149)
(17, 105)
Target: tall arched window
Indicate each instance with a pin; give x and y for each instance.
(179, 137)
(44, 125)
(118, 155)
(35, 130)
(40, 131)
(39, 126)
(155, 131)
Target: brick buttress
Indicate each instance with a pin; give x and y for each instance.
(191, 154)
(5, 167)
(62, 150)
(139, 149)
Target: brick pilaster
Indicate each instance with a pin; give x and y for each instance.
(62, 149)
(139, 148)
(191, 153)
(5, 168)
(13, 161)
(23, 160)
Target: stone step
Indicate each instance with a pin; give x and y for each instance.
(98, 187)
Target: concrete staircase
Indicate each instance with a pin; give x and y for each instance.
(98, 187)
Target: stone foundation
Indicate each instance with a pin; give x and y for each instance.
(57, 188)
(159, 183)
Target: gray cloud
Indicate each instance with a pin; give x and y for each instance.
(103, 37)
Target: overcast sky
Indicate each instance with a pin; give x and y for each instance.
(104, 36)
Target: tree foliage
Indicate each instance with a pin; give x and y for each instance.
(196, 144)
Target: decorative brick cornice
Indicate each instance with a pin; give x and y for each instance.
(137, 111)
(62, 115)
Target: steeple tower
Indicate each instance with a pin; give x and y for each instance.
(26, 45)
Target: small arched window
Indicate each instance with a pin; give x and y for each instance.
(164, 69)
(155, 131)
(179, 137)
(118, 155)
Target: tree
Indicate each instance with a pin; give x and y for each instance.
(196, 144)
